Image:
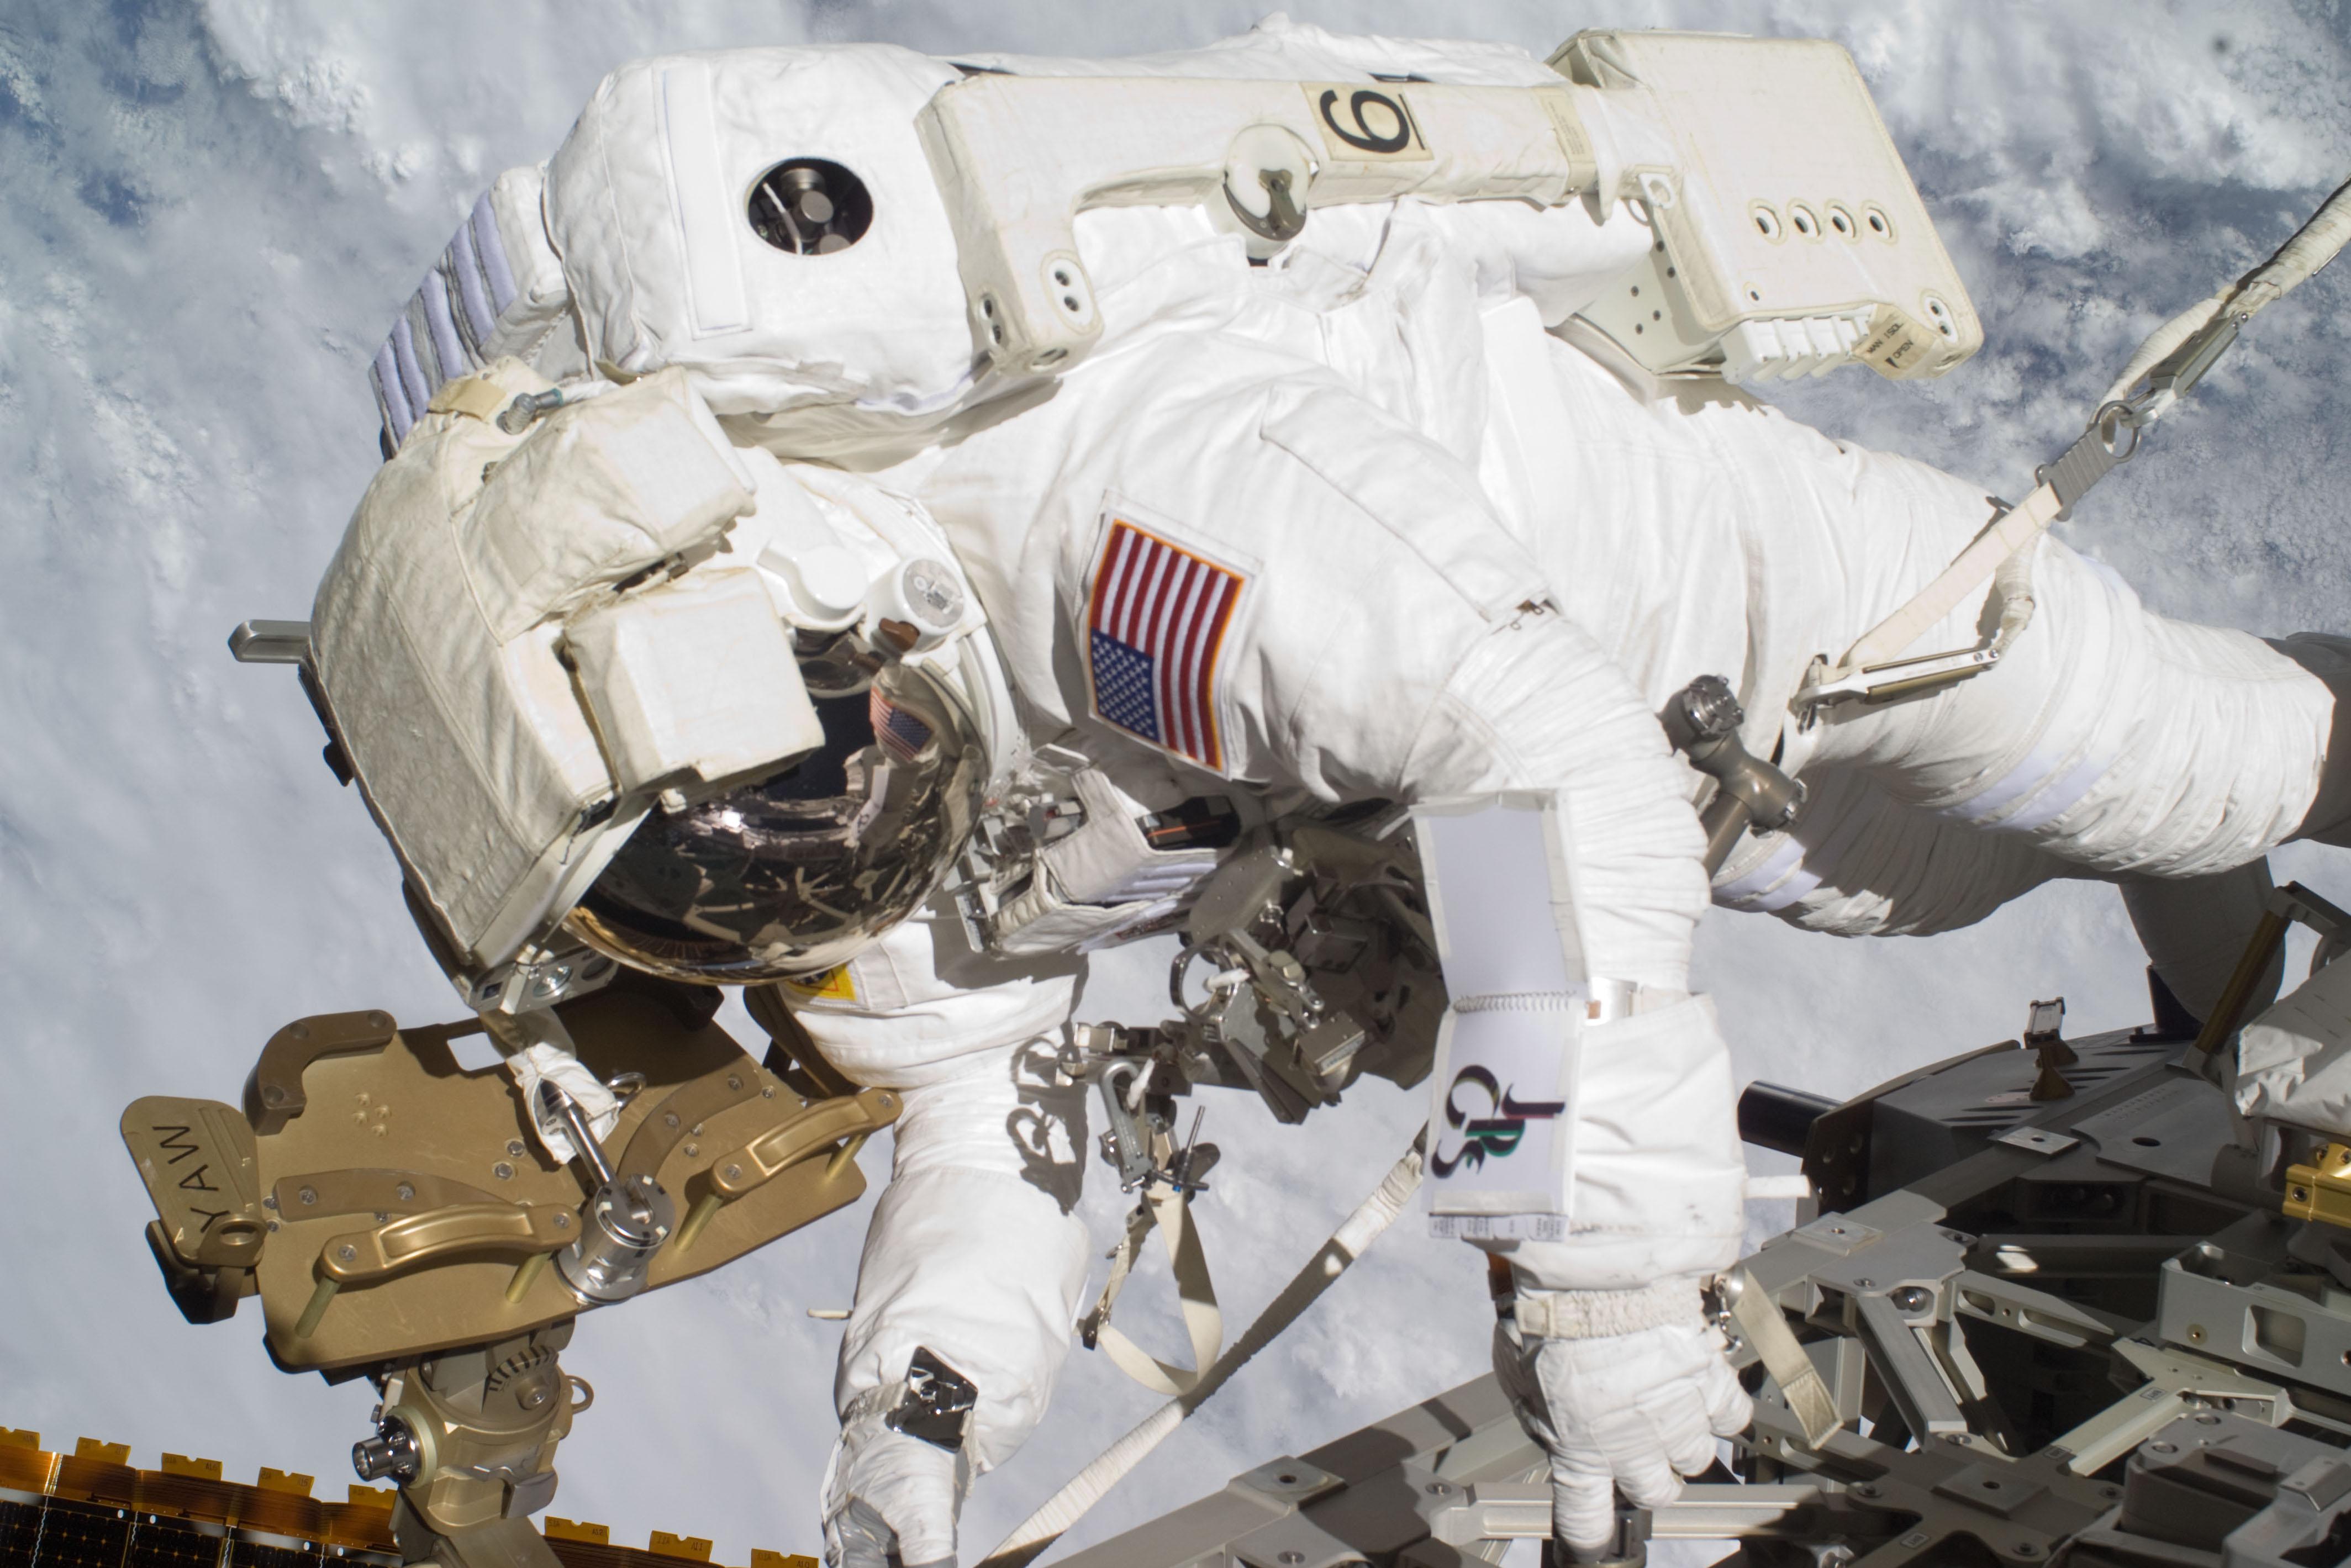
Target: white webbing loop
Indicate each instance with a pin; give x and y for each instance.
(1168, 1210)
(1349, 1242)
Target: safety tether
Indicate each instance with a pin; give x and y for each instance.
(2170, 361)
(1349, 1242)
(1167, 1208)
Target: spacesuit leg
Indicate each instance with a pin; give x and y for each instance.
(975, 1253)
(1711, 534)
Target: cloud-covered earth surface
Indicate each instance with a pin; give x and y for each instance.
(212, 212)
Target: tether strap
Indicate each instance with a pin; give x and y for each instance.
(2169, 362)
(1168, 1210)
(1784, 1357)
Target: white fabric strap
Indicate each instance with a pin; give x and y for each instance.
(2010, 532)
(1357, 1232)
(1605, 1314)
(1169, 1212)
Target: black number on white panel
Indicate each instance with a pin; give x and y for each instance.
(1385, 129)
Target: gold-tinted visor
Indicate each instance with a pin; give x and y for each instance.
(796, 874)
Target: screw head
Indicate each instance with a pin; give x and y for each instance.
(691, 1150)
(514, 1147)
(405, 1191)
(503, 1171)
(2161, 1448)
(308, 1195)
(1866, 1284)
(347, 1253)
(734, 1081)
(733, 1173)
(1913, 1298)
(1867, 1488)
(1437, 1488)
(563, 1222)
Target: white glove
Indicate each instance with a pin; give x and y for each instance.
(554, 1062)
(1619, 1410)
(890, 1500)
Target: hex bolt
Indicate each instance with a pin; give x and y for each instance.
(514, 1147)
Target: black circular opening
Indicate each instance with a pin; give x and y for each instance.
(810, 207)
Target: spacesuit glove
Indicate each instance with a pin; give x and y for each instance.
(1630, 1410)
(890, 1501)
(551, 1062)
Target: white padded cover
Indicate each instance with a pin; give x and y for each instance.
(646, 204)
(603, 489)
(436, 630)
(692, 683)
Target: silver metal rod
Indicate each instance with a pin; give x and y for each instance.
(555, 1103)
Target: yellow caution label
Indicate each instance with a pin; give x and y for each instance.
(833, 985)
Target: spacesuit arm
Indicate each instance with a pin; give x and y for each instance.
(974, 1254)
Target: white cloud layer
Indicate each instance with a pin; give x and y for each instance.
(212, 214)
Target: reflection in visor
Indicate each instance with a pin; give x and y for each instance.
(799, 872)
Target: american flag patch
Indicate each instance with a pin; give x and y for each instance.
(902, 735)
(1154, 628)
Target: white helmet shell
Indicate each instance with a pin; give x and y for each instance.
(850, 330)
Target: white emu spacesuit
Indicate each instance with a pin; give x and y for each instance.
(1348, 524)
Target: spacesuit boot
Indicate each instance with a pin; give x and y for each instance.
(2329, 658)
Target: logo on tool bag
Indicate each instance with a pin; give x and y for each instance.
(1155, 625)
(1495, 1133)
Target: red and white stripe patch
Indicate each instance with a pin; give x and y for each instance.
(1155, 621)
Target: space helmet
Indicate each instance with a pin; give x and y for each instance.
(796, 872)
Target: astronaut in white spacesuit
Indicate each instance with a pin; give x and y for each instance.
(699, 477)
